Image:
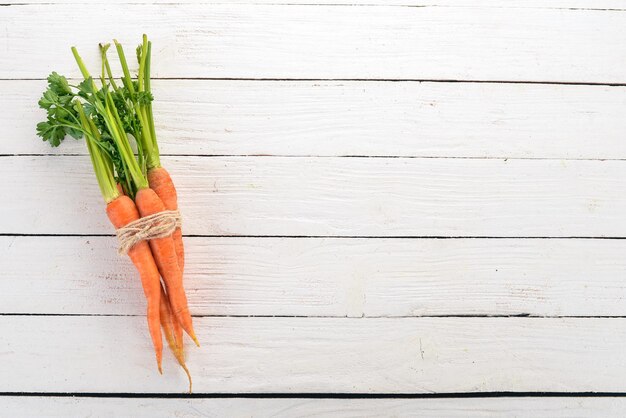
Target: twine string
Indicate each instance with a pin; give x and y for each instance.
(158, 225)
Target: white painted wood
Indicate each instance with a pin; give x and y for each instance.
(296, 355)
(552, 4)
(358, 118)
(381, 279)
(315, 41)
(62, 407)
(336, 196)
(326, 277)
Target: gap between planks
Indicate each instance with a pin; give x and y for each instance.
(464, 316)
(374, 80)
(330, 395)
(389, 237)
(405, 157)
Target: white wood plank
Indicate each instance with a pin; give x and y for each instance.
(552, 4)
(326, 277)
(297, 355)
(336, 196)
(62, 407)
(313, 41)
(358, 118)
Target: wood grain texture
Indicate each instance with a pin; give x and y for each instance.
(609, 5)
(207, 117)
(316, 41)
(325, 292)
(62, 407)
(297, 355)
(336, 196)
(326, 277)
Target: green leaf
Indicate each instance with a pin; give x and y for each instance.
(85, 87)
(51, 132)
(89, 109)
(74, 133)
(58, 113)
(58, 84)
(48, 99)
(144, 98)
(62, 117)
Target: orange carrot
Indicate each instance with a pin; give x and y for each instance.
(121, 211)
(167, 321)
(164, 253)
(162, 184)
(178, 331)
(175, 325)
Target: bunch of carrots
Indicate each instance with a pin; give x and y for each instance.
(115, 118)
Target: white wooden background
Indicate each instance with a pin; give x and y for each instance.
(423, 198)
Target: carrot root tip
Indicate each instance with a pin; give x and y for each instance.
(188, 376)
(195, 340)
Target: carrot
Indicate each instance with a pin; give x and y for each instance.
(173, 325)
(178, 331)
(167, 322)
(121, 176)
(148, 203)
(158, 180)
(121, 212)
(164, 253)
(162, 184)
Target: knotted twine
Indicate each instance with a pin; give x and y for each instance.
(159, 225)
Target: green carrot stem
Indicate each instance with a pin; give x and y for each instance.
(83, 68)
(146, 141)
(101, 165)
(126, 160)
(147, 66)
(142, 63)
(106, 67)
(97, 137)
(127, 80)
(156, 157)
(81, 64)
(121, 141)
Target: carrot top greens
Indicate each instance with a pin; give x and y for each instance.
(114, 118)
(140, 96)
(62, 118)
(102, 164)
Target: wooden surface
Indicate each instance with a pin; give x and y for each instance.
(313, 196)
(328, 277)
(327, 408)
(378, 200)
(111, 354)
(325, 41)
(365, 118)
